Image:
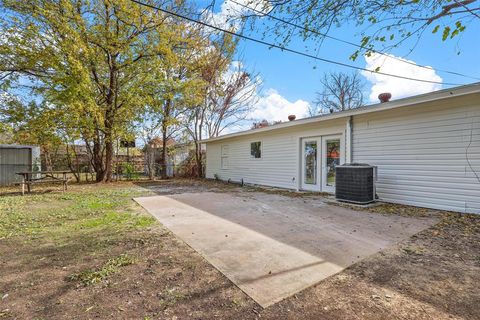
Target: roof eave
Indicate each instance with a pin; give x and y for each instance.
(423, 98)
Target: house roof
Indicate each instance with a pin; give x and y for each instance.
(157, 142)
(404, 102)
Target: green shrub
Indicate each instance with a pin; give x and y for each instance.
(129, 171)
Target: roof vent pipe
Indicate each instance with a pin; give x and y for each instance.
(384, 97)
(292, 117)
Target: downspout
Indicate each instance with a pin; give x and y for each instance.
(299, 164)
(349, 140)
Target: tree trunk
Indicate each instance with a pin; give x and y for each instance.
(95, 154)
(75, 169)
(98, 161)
(109, 121)
(150, 161)
(198, 159)
(164, 154)
(111, 106)
(108, 160)
(109, 152)
(163, 157)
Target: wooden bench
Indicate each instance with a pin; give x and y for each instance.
(43, 177)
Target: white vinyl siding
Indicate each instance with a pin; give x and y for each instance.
(420, 152)
(279, 163)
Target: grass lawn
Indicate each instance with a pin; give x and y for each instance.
(93, 253)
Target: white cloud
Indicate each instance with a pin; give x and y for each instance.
(230, 13)
(274, 107)
(398, 87)
(269, 105)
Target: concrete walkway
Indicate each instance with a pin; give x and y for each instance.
(273, 246)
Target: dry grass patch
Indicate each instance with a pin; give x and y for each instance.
(92, 253)
(112, 266)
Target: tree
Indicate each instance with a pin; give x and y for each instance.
(173, 88)
(44, 125)
(340, 92)
(6, 128)
(387, 22)
(6, 136)
(88, 58)
(179, 93)
(230, 99)
(227, 96)
(33, 124)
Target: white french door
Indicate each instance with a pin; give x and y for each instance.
(331, 157)
(320, 156)
(311, 148)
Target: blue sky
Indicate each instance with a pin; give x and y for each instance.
(291, 81)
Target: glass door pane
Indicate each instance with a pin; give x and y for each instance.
(332, 157)
(310, 168)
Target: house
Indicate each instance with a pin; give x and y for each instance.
(426, 148)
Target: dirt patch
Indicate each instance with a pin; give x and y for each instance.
(48, 274)
(179, 186)
(167, 278)
(433, 275)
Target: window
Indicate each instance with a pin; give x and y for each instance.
(225, 150)
(224, 156)
(256, 149)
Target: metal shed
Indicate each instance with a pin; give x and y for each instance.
(15, 158)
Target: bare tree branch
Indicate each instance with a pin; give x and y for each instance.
(340, 92)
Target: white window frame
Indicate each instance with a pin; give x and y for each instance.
(261, 149)
(224, 156)
(225, 149)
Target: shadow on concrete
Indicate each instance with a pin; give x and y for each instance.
(337, 235)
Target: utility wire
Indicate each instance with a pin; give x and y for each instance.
(272, 45)
(348, 42)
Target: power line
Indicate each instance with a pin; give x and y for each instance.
(348, 42)
(272, 45)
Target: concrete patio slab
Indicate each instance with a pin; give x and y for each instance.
(274, 246)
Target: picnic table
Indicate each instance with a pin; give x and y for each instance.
(34, 177)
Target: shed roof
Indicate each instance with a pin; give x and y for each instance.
(404, 102)
(17, 146)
